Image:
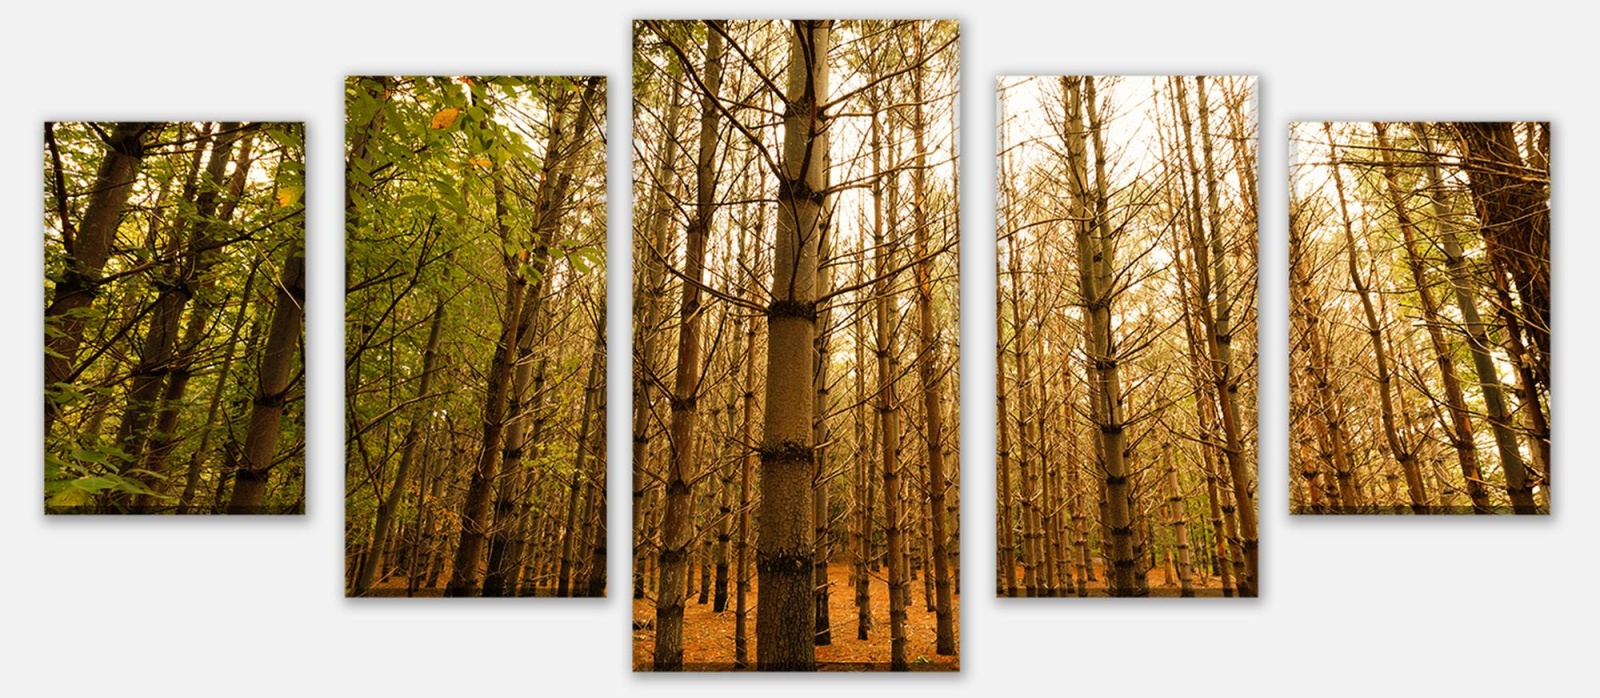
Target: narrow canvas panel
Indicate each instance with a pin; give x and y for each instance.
(475, 228)
(1419, 261)
(795, 415)
(1127, 336)
(174, 293)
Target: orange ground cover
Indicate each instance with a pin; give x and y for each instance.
(708, 636)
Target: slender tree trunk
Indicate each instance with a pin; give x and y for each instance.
(719, 601)
(1460, 419)
(747, 458)
(591, 398)
(819, 436)
(1218, 322)
(861, 516)
(1094, 259)
(1401, 452)
(681, 472)
(273, 383)
(1478, 341)
(929, 376)
(408, 450)
(224, 374)
(1180, 525)
(595, 577)
(163, 437)
(177, 286)
(648, 303)
(464, 580)
(1007, 559)
(1319, 367)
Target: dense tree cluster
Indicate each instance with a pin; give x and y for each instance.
(475, 336)
(1127, 229)
(794, 419)
(174, 285)
(1420, 323)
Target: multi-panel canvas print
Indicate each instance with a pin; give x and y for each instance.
(1419, 276)
(174, 292)
(475, 228)
(1126, 226)
(795, 416)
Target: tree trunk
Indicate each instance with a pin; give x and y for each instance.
(464, 580)
(1478, 341)
(273, 383)
(929, 376)
(88, 246)
(678, 522)
(820, 477)
(1460, 419)
(785, 546)
(591, 398)
(1401, 452)
(647, 307)
(1514, 212)
(163, 438)
(1094, 260)
(408, 450)
(176, 285)
(1180, 525)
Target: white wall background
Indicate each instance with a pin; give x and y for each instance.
(254, 607)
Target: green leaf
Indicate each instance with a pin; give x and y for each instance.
(69, 497)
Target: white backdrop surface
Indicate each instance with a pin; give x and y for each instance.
(254, 606)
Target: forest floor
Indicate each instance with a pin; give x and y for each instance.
(1162, 582)
(398, 584)
(708, 636)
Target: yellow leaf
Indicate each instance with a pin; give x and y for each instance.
(288, 195)
(481, 162)
(445, 118)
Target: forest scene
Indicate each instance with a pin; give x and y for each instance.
(174, 288)
(1419, 341)
(1127, 337)
(475, 341)
(795, 346)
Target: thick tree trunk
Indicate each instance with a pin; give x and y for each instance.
(785, 546)
(88, 245)
(1514, 212)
